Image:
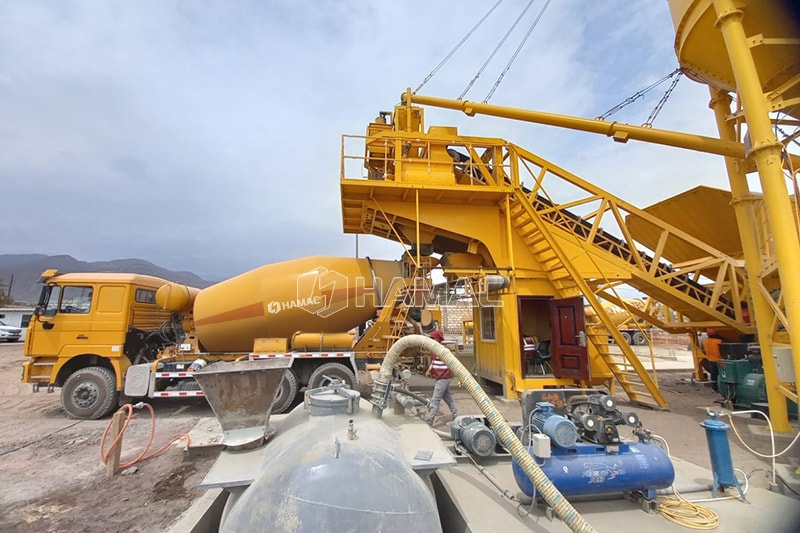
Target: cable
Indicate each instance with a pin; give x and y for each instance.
(718, 499)
(494, 52)
(637, 95)
(681, 511)
(104, 455)
(40, 439)
(685, 513)
(453, 51)
(516, 52)
(772, 456)
(488, 475)
(657, 109)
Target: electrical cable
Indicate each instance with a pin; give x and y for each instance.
(772, 456)
(685, 513)
(718, 499)
(40, 439)
(681, 511)
(117, 442)
(488, 475)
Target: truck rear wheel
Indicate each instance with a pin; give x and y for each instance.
(639, 338)
(286, 392)
(323, 374)
(90, 393)
(627, 337)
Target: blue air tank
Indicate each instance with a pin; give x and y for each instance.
(586, 469)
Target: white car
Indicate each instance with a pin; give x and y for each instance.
(9, 333)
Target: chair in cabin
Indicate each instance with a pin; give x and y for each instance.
(541, 356)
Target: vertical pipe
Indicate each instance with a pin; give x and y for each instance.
(766, 151)
(763, 314)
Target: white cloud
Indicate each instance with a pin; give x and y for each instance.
(205, 136)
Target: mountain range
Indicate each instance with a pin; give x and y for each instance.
(26, 269)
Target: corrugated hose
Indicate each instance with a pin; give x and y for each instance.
(563, 509)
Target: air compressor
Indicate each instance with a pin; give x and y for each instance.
(577, 445)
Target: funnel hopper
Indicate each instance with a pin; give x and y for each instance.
(241, 394)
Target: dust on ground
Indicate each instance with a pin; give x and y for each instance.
(53, 479)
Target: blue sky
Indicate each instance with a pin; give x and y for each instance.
(205, 136)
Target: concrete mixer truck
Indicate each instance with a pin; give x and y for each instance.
(98, 336)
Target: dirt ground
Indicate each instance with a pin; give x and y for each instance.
(53, 479)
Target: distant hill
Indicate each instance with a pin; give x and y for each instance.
(27, 268)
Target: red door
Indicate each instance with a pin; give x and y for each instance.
(568, 347)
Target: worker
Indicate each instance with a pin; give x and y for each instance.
(712, 356)
(439, 371)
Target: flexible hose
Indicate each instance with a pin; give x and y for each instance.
(563, 509)
(105, 454)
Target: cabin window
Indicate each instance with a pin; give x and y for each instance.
(76, 300)
(487, 324)
(145, 296)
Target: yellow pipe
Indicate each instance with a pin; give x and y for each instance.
(762, 311)
(766, 151)
(620, 132)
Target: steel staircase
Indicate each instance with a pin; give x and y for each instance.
(568, 281)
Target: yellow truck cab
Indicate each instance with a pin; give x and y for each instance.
(86, 332)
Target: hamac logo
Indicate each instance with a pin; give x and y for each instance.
(322, 292)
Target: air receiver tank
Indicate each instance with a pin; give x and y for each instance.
(312, 294)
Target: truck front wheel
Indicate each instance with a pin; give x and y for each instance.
(90, 393)
(323, 374)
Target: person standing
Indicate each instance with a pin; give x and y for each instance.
(439, 371)
(711, 349)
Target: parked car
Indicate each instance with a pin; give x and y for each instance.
(9, 333)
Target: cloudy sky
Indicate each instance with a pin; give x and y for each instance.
(205, 135)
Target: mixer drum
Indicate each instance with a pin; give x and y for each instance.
(318, 293)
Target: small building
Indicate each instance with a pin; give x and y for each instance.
(17, 316)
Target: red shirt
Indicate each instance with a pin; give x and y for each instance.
(439, 370)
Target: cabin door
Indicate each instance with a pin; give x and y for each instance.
(568, 347)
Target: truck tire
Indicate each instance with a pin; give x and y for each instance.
(90, 393)
(331, 370)
(286, 392)
(627, 337)
(639, 338)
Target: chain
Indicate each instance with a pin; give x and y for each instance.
(657, 109)
(637, 95)
(496, 49)
(453, 51)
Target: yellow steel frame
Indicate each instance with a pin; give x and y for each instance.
(770, 245)
(487, 182)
